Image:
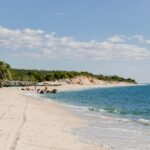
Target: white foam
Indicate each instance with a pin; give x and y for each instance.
(144, 121)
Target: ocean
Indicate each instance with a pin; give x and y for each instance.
(118, 117)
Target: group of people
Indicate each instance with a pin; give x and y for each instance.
(39, 90)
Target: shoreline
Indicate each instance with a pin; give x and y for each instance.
(41, 125)
(27, 123)
(111, 127)
(72, 87)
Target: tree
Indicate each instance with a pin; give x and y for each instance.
(5, 71)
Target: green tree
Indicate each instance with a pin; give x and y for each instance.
(5, 71)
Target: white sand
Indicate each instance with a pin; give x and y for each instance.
(29, 124)
(68, 87)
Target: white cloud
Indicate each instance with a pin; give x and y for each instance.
(147, 41)
(140, 38)
(117, 39)
(40, 44)
(27, 38)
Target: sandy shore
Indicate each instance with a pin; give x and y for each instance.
(29, 124)
(68, 87)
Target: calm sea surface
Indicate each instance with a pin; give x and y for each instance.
(117, 116)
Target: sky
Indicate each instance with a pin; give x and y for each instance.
(110, 37)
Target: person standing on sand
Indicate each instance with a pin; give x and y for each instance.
(45, 88)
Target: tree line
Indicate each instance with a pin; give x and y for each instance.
(8, 73)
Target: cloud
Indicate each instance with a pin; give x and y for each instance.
(26, 38)
(147, 41)
(117, 39)
(140, 38)
(37, 43)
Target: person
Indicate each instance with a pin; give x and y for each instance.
(38, 90)
(45, 88)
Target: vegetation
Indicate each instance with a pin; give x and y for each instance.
(43, 75)
(7, 73)
(115, 78)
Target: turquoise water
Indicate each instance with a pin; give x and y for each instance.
(118, 117)
(132, 102)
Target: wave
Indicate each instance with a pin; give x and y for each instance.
(109, 110)
(133, 115)
(144, 121)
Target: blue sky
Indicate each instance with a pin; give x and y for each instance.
(101, 36)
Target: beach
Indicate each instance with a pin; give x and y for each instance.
(75, 86)
(30, 124)
(74, 75)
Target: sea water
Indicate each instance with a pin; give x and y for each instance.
(118, 117)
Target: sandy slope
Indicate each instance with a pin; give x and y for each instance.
(29, 124)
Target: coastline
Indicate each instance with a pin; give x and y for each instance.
(116, 131)
(27, 123)
(72, 87)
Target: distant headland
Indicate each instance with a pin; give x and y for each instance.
(10, 76)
